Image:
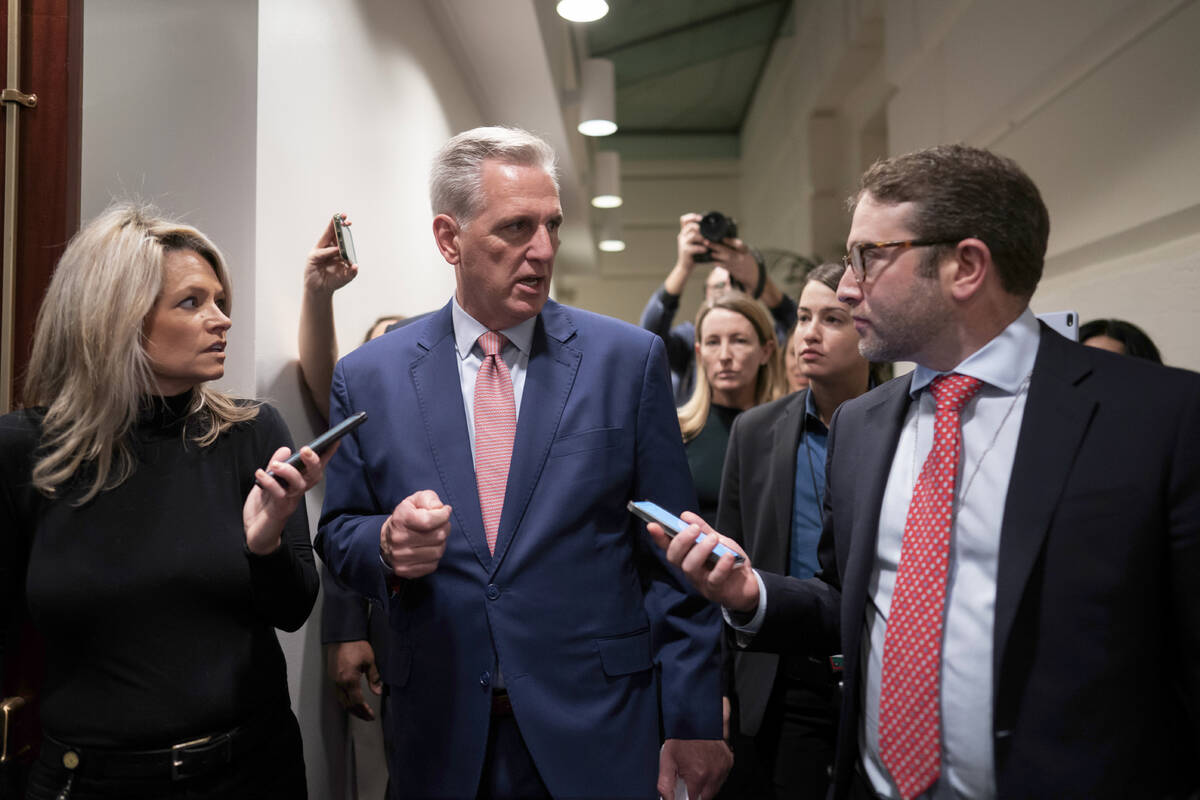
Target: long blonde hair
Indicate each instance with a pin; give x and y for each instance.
(768, 384)
(89, 367)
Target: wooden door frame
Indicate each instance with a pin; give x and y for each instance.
(49, 157)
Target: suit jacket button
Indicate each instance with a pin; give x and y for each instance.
(493, 591)
(485, 679)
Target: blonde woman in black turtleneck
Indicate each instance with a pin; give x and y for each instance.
(155, 554)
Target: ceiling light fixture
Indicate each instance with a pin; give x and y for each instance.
(611, 239)
(606, 180)
(597, 107)
(582, 10)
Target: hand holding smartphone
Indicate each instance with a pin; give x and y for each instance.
(672, 525)
(323, 442)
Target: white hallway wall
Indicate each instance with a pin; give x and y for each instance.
(1098, 101)
(256, 121)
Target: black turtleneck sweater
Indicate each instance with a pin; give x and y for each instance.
(158, 621)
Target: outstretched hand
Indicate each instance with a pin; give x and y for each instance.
(732, 585)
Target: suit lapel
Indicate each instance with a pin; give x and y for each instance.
(1057, 416)
(876, 449)
(553, 365)
(871, 441)
(785, 433)
(439, 397)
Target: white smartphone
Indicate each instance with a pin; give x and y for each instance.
(652, 512)
(1065, 322)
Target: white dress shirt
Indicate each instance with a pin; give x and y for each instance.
(991, 423)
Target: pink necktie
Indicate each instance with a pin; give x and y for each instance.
(495, 429)
(909, 712)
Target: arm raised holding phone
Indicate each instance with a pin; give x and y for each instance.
(325, 271)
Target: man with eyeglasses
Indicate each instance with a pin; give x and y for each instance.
(1011, 540)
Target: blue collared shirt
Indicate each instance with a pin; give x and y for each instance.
(808, 493)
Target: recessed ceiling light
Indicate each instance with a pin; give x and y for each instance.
(606, 201)
(582, 10)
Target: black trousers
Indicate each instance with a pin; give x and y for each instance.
(274, 770)
(790, 756)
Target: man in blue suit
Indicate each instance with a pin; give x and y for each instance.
(540, 645)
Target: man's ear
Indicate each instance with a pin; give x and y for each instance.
(445, 233)
(972, 266)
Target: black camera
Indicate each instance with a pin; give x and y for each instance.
(715, 227)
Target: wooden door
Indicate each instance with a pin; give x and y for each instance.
(48, 160)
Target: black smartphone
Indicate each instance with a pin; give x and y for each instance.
(671, 524)
(323, 442)
(345, 240)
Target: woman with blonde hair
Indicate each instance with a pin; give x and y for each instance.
(738, 367)
(155, 553)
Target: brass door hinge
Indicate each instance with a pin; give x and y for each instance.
(16, 96)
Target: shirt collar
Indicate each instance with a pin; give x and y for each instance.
(1004, 362)
(467, 331)
(810, 406)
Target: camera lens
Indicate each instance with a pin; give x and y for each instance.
(716, 227)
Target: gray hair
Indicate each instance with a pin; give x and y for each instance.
(455, 184)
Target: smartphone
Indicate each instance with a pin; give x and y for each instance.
(652, 512)
(1064, 322)
(345, 240)
(323, 442)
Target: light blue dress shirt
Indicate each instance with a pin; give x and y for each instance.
(467, 331)
(808, 493)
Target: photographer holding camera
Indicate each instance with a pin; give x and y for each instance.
(710, 239)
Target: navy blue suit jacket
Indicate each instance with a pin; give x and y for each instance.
(589, 623)
(1097, 622)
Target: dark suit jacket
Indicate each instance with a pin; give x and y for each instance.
(757, 493)
(1097, 619)
(579, 605)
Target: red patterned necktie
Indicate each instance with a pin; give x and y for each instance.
(495, 429)
(909, 711)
